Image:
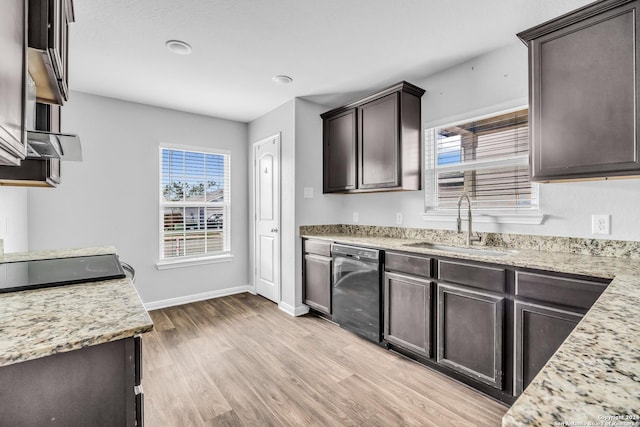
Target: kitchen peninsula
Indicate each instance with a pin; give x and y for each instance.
(73, 349)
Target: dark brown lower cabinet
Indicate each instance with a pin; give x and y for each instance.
(491, 326)
(317, 277)
(470, 329)
(92, 386)
(539, 332)
(407, 312)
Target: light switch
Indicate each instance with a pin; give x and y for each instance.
(308, 193)
(355, 217)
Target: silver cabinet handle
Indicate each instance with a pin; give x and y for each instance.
(274, 230)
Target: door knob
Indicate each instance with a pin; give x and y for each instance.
(274, 230)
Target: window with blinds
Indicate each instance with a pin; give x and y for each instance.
(195, 203)
(488, 158)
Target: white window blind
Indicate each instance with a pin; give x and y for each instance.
(488, 158)
(195, 203)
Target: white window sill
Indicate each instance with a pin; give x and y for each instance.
(486, 217)
(189, 262)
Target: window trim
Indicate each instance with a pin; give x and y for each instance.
(189, 262)
(531, 215)
(192, 260)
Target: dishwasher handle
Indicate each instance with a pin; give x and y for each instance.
(354, 252)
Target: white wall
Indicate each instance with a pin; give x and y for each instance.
(319, 209)
(298, 122)
(111, 197)
(13, 219)
(281, 121)
(495, 81)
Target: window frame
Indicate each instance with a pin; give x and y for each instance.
(190, 260)
(432, 212)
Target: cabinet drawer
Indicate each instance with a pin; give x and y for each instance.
(558, 290)
(318, 247)
(419, 266)
(489, 278)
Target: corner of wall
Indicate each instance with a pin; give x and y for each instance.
(14, 213)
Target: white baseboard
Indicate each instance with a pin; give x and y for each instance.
(293, 311)
(154, 305)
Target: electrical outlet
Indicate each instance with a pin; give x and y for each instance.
(399, 218)
(600, 224)
(308, 193)
(355, 217)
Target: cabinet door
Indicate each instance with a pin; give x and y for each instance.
(48, 48)
(539, 331)
(470, 332)
(340, 152)
(12, 82)
(62, 27)
(92, 386)
(378, 143)
(407, 312)
(585, 97)
(317, 282)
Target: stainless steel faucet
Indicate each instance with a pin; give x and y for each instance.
(470, 237)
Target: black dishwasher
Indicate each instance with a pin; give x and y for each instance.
(357, 293)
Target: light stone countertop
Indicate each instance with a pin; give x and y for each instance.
(41, 322)
(594, 266)
(594, 377)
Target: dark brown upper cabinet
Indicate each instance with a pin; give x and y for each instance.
(37, 172)
(584, 93)
(373, 144)
(48, 48)
(340, 152)
(13, 138)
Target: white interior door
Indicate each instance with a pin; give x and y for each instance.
(267, 217)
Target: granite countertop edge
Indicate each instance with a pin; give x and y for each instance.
(559, 262)
(594, 373)
(42, 322)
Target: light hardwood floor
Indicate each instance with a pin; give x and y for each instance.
(239, 361)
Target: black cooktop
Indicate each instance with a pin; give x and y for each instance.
(45, 273)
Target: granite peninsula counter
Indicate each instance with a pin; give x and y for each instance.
(42, 322)
(594, 377)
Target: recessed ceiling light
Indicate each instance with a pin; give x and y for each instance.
(282, 79)
(178, 47)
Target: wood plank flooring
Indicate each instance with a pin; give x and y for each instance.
(239, 361)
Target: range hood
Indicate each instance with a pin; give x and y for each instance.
(49, 145)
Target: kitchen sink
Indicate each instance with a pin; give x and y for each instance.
(461, 250)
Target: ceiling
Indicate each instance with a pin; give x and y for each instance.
(335, 50)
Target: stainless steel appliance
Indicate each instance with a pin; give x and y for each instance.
(357, 294)
(44, 273)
